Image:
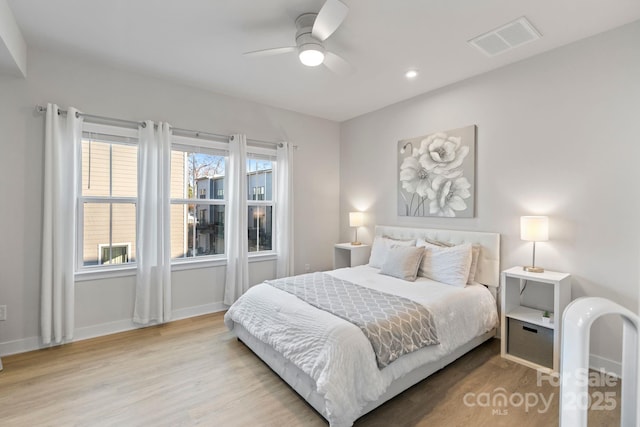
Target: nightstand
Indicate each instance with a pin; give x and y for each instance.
(527, 338)
(348, 255)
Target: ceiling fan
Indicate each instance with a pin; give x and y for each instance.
(313, 29)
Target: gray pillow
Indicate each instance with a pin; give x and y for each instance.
(403, 262)
(381, 246)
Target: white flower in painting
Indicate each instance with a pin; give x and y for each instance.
(442, 154)
(414, 177)
(449, 196)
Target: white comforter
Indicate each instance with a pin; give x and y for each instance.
(337, 355)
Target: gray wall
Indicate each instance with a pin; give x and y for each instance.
(107, 305)
(558, 136)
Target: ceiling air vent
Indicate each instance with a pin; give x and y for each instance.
(506, 37)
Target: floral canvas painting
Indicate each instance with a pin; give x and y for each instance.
(437, 174)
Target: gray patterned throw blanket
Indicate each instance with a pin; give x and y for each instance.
(394, 325)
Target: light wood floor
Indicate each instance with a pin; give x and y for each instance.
(194, 372)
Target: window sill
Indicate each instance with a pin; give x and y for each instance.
(262, 256)
(104, 273)
(190, 264)
(110, 273)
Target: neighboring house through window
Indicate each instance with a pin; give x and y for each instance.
(260, 165)
(116, 253)
(108, 195)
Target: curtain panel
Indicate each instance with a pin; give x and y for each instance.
(61, 146)
(237, 246)
(153, 272)
(284, 210)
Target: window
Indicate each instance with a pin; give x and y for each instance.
(197, 219)
(261, 201)
(117, 253)
(258, 193)
(107, 197)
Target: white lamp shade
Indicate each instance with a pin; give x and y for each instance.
(534, 228)
(356, 219)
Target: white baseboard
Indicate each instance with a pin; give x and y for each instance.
(199, 310)
(611, 367)
(20, 346)
(87, 332)
(102, 329)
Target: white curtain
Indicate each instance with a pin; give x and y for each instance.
(284, 210)
(237, 246)
(153, 253)
(61, 145)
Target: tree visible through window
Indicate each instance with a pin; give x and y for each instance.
(197, 199)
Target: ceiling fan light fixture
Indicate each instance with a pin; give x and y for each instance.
(311, 55)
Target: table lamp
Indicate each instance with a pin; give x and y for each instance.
(534, 229)
(356, 219)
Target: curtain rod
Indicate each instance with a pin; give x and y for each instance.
(196, 133)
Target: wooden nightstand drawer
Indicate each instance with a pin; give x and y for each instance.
(531, 342)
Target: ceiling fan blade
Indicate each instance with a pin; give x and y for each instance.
(329, 19)
(272, 51)
(337, 64)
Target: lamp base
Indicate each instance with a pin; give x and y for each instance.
(531, 269)
(356, 243)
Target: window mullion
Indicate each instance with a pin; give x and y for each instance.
(198, 201)
(98, 199)
(259, 203)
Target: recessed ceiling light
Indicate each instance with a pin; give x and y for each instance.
(411, 74)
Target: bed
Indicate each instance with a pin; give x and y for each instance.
(331, 363)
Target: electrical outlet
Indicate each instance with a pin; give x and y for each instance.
(3, 312)
(307, 268)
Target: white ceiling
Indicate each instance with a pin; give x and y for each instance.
(200, 42)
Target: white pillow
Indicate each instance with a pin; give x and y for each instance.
(380, 248)
(475, 255)
(446, 265)
(403, 262)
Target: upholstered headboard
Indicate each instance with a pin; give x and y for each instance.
(488, 271)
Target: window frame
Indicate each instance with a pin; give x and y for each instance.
(190, 144)
(116, 132)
